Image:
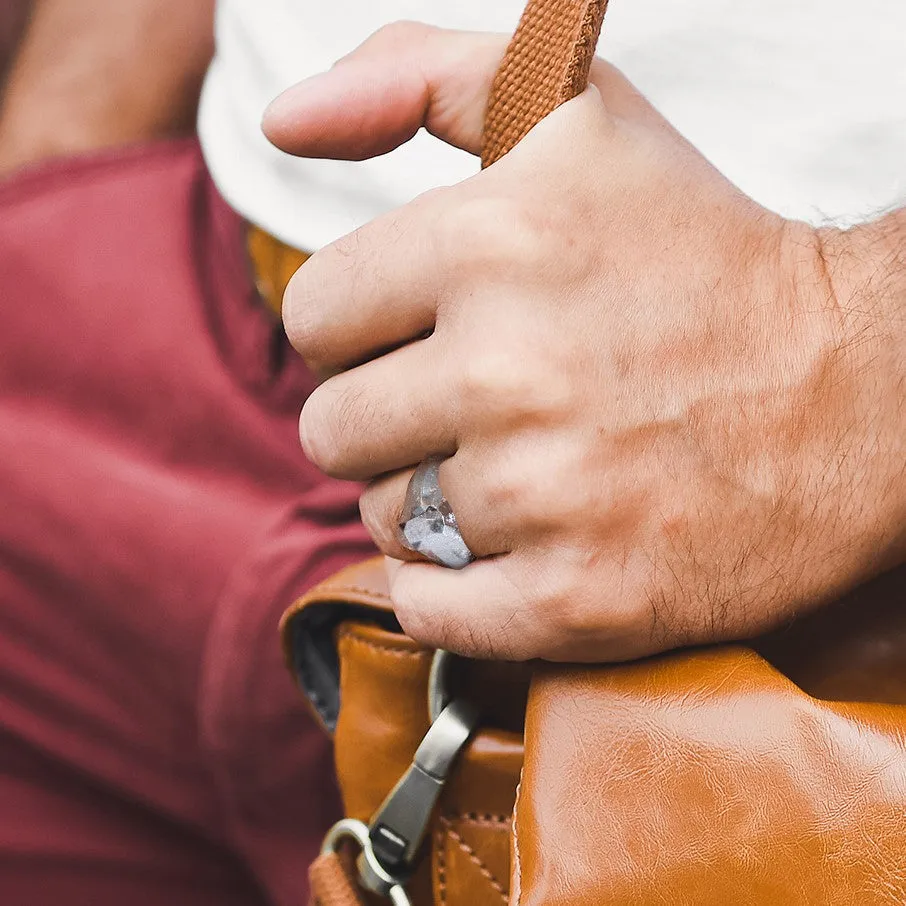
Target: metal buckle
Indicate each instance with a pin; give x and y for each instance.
(391, 843)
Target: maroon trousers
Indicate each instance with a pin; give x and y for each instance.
(156, 516)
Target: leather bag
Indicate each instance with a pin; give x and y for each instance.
(772, 773)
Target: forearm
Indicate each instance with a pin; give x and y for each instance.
(101, 73)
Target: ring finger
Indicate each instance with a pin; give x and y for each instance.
(383, 502)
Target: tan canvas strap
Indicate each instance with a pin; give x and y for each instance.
(331, 881)
(546, 63)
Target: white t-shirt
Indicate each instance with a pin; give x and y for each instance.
(802, 103)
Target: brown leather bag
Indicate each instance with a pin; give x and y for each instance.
(768, 774)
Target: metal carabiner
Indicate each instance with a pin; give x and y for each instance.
(399, 825)
(391, 843)
(439, 683)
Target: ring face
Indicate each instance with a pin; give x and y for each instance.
(429, 525)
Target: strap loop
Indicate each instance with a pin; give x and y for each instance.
(385, 884)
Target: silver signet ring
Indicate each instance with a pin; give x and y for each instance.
(428, 525)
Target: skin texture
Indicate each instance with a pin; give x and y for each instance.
(93, 74)
(672, 416)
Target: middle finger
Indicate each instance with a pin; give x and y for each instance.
(384, 415)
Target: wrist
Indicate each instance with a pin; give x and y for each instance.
(865, 270)
(866, 275)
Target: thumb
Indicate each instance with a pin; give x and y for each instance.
(405, 76)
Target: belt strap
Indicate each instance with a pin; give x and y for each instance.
(273, 264)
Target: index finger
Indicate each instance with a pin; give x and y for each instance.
(368, 292)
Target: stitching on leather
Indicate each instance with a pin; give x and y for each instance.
(477, 819)
(321, 590)
(441, 856)
(348, 635)
(475, 859)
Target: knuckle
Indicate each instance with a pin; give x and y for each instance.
(505, 492)
(496, 232)
(304, 316)
(437, 198)
(549, 485)
(404, 35)
(507, 389)
(481, 375)
(412, 617)
(345, 249)
(571, 598)
(508, 489)
(337, 423)
(314, 433)
(321, 433)
(380, 519)
(497, 381)
(565, 607)
(468, 231)
(584, 624)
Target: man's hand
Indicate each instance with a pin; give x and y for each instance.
(672, 417)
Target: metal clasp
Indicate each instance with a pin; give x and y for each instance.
(391, 843)
(352, 829)
(399, 825)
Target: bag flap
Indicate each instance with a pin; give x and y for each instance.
(707, 777)
(724, 775)
(309, 630)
